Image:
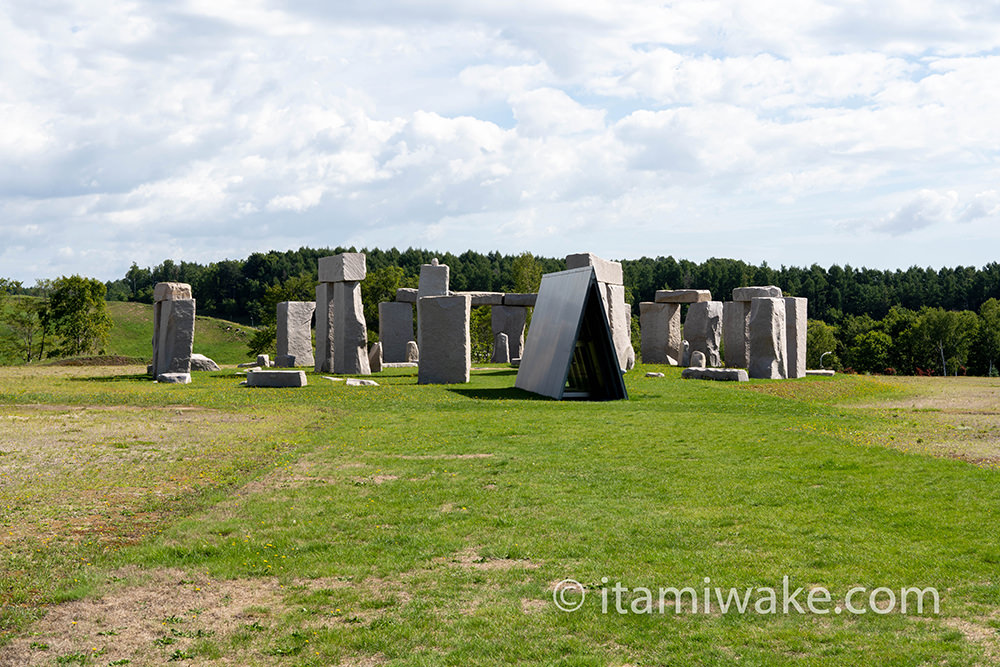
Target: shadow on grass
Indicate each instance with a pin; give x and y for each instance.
(499, 394)
(497, 372)
(135, 377)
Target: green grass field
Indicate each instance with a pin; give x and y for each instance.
(429, 525)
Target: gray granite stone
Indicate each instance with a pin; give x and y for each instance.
(174, 378)
(748, 293)
(294, 328)
(767, 338)
(735, 333)
(350, 334)
(395, 329)
(484, 298)
(723, 374)
(269, 378)
(406, 295)
(412, 352)
(171, 292)
(501, 349)
(660, 327)
(199, 362)
(443, 337)
(796, 327)
(517, 299)
(324, 328)
(698, 359)
(173, 337)
(375, 358)
(620, 318)
(682, 296)
(606, 270)
(510, 320)
(345, 267)
(433, 280)
(703, 330)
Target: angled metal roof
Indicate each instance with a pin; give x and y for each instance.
(569, 352)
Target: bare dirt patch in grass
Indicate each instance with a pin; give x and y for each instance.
(471, 559)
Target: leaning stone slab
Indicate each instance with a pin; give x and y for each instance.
(294, 329)
(199, 362)
(171, 291)
(443, 337)
(660, 327)
(735, 333)
(606, 270)
(269, 378)
(433, 280)
(748, 293)
(350, 334)
(703, 331)
(724, 374)
(395, 329)
(484, 298)
(821, 373)
(767, 338)
(796, 328)
(406, 295)
(620, 318)
(342, 268)
(510, 320)
(516, 299)
(174, 378)
(682, 295)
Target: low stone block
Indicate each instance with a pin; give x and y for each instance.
(375, 358)
(171, 291)
(697, 359)
(821, 373)
(501, 350)
(796, 327)
(682, 295)
(767, 338)
(345, 267)
(735, 333)
(199, 362)
(262, 378)
(412, 352)
(606, 270)
(517, 299)
(358, 382)
(660, 331)
(748, 293)
(433, 280)
(654, 375)
(443, 337)
(263, 360)
(703, 330)
(723, 374)
(174, 378)
(406, 295)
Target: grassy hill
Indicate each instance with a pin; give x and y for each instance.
(223, 341)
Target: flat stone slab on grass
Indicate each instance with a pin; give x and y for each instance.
(355, 382)
(723, 374)
(400, 364)
(276, 378)
(174, 378)
(821, 373)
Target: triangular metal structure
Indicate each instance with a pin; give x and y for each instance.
(569, 352)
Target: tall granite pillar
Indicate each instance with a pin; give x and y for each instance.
(443, 338)
(294, 329)
(660, 327)
(341, 333)
(796, 327)
(173, 330)
(767, 338)
(703, 330)
(395, 329)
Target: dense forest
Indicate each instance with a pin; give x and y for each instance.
(917, 320)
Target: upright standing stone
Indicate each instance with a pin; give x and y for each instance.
(735, 342)
(395, 329)
(443, 337)
(697, 359)
(433, 280)
(173, 328)
(703, 330)
(412, 352)
(350, 335)
(295, 345)
(510, 320)
(375, 358)
(796, 328)
(660, 330)
(767, 338)
(324, 333)
(501, 349)
(610, 280)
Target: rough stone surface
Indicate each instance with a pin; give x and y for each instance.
(294, 327)
(703, 330)
(345, 267)
(412, 352)
(174, 378)
(685, 353)
(484, 298)
(606, 270)
(406, 295)
(324, 328)
(748, 293)
(263, 360)
(698, 359)
(654, 375)
(199, 362)
(375, 358)
(510, 320)
(350, 335)
(395, 329)
(399, 364)
(620, 318)
(501, 349)
(735, 333)
(660, 327)
(358, 382)
(173, 336)
(443, 337)
(517, 299)
(767, 338)
(171, 292)
(682, 296)
(725, 374)
(796, 326)
(433, 280)
(264, 378)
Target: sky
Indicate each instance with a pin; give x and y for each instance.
(860, 132)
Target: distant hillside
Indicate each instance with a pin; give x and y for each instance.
(131, 336)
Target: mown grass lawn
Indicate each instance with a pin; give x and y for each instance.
(407, 524)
